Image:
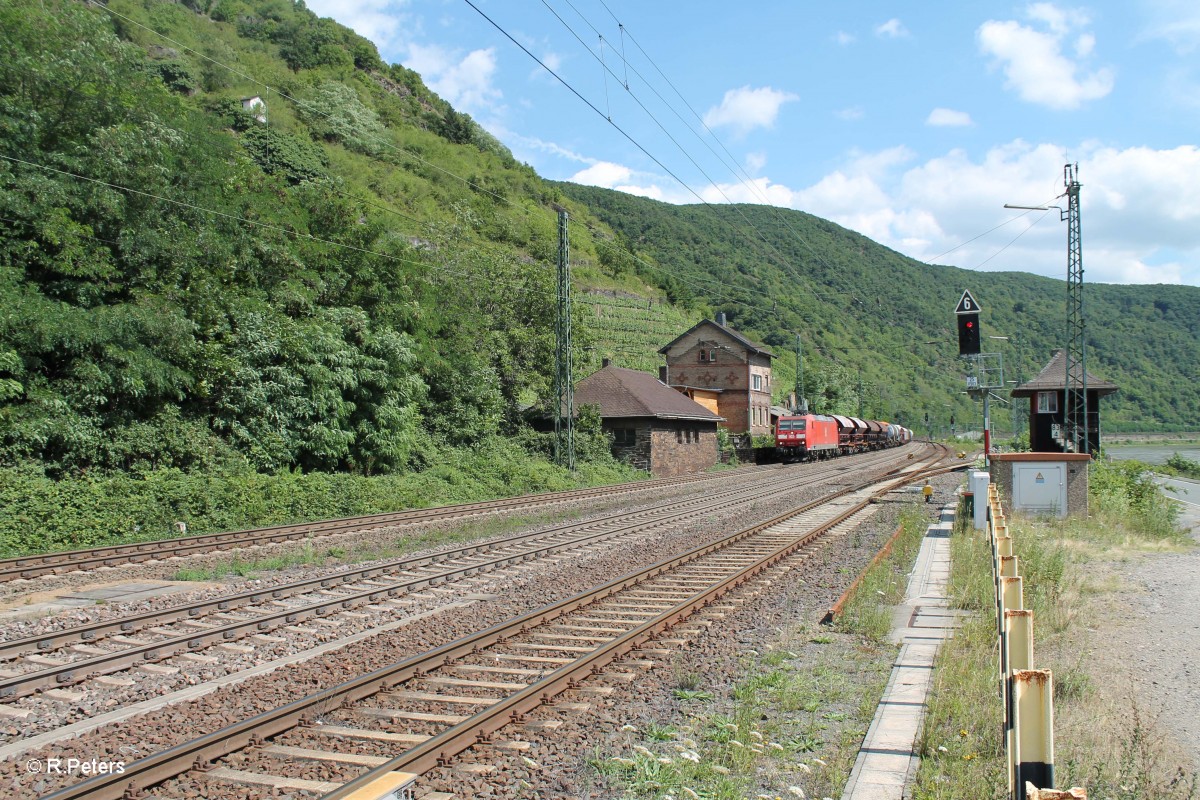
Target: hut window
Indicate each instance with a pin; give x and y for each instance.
(1047, 402)
(624, 437)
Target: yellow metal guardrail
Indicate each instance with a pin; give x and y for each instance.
(1028, 693)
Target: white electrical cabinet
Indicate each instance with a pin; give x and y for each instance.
(1040, 488)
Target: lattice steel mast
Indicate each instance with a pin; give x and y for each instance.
(1078, 429)
(564, 391)
(801, 401)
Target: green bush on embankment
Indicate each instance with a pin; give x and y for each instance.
(40, 514)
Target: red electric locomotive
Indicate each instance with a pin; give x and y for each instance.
(807, 437)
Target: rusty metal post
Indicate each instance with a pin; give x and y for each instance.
(1016, 653)
(1012, 598)
(1034, 793)
(1033, 726)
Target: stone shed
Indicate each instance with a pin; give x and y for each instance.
(653, 426)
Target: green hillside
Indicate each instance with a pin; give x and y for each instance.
(862, 307)
(364, 282)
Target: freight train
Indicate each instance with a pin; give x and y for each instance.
(808, 437)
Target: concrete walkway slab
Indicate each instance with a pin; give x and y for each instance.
(886, 761)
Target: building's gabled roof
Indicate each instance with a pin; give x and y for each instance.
(621, 392)
(752, 346)
(1053, 377)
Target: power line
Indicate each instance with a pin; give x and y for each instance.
(738, 173)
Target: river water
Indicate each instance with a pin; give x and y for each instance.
(1152, 453)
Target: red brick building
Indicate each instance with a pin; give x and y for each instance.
(653, 427)
(713, 357)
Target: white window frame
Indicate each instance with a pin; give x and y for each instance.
(1047, 402)
(757, 381)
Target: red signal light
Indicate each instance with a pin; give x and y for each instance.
(968, 334)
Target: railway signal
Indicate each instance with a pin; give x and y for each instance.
(968, 334)
(967, 312)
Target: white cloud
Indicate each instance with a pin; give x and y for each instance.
(429, 59)
(755, 161)
(467, 85)
(1176, 21)
(603, 173)
(849, 114)
(1034, 63)
(1059, 20)
(377, 20)
(945, 117)
(1084, 45)
(608, 175)
(1140, 214)
(745, 109)
(1140, 211)
(892, 29)
(553, 61)
(843, 38)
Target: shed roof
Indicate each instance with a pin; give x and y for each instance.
(1053, 377)
(749, 344)
(621, 392)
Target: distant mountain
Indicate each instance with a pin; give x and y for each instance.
(860, 306)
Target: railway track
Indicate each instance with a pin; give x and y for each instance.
(435, 705)
(56, 563)
(72, 655)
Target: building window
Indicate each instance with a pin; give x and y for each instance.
(678, 436)
(1047, 402)
(624, 437)
(712, 356)
(758, 383)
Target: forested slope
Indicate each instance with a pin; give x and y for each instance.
(364, 282)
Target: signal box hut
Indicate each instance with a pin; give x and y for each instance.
(712, 356)
(1047, 393)
(1049, 480)
(653, 426)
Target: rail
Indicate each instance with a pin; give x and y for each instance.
(206, 749)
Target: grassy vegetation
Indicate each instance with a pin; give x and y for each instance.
(868, 612)
(789, 728)
(1104, 741)
(38, 514)
(1183, 467)
(371, 549)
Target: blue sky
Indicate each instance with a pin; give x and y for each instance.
(911, 123)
